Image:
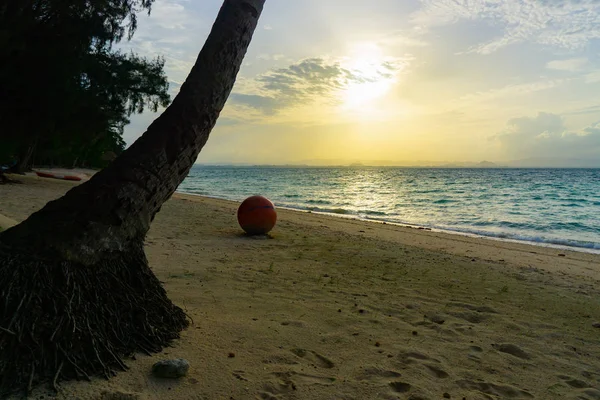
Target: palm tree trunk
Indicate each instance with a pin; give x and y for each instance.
(24, 160)
(77, 290)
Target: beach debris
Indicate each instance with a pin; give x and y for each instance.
(175, 368)
(446, 395)
(231, 355)
(596, 324)
(256, 215)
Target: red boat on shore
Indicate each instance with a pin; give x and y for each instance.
(57, 176)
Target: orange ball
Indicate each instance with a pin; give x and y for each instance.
(256, 215)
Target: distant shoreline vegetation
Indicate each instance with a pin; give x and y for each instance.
(540, 162)
(241, 165)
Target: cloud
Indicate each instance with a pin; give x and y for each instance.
(404, 38)
(267, 105)
(274, 57)
(584, 110)
(311, 80)
(567, 24)
(545, 135)
(592, 77)
(510, 91)
(572, 64)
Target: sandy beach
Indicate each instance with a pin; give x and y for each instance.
(334, 308)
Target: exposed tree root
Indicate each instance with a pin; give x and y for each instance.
(61, 320)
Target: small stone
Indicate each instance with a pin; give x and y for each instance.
(447, 395)
(562, 255)
(596, 324)
(415, 333)
(377, 344)
(231, 355)
(171, 368)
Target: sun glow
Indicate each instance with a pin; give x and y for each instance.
(360, 94)
(371, 77)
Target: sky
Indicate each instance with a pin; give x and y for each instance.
(395, 82)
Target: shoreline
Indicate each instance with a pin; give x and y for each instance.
(549, 243)
(474, 247)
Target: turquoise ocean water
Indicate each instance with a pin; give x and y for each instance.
(545, 206)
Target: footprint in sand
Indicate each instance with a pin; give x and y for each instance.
(592, 393)
(266, 395)
(241, 375)
(117, 395)
(316, 358)
(411, 357)
(475, 353)
(502, 391)
(574, 383)
(375, 374)
(296, 324)
(283, 359)
(482, 308)
(400, 387)
(437, 372)
(300, 378)
(433, 366)
(512, 349)
(470, 316)
(283, 383)
(275, 390)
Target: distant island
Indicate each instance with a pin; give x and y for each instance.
(539, 162)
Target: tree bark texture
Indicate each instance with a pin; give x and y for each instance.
(76, 291)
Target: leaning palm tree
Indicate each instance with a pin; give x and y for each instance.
(76, 291)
